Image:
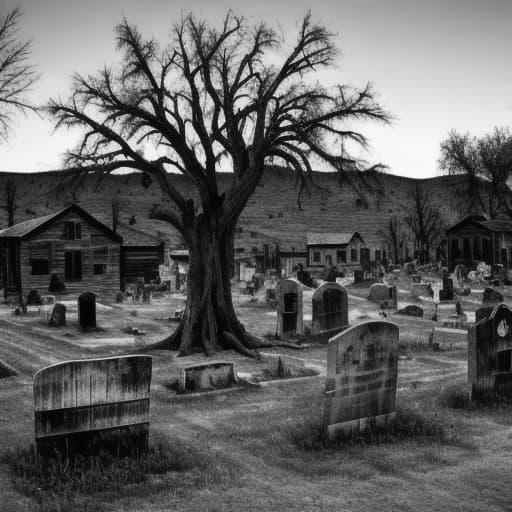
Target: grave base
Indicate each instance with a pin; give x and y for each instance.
(126, 441)
(358, 424)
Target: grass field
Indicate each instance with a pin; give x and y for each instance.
(247, 448)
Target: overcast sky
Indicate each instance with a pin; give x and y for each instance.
(438, 64)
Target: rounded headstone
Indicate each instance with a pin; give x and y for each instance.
(58, 316)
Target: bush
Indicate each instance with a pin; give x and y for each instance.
(409, 424)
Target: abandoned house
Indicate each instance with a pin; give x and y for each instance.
(80, 251)
(475, 239)
(342, 250)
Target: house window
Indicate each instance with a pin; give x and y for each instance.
(99, 269)
(466, 248)
(40, 267)
(328, 259)
(378, 257)
(73, 265)
(316, 256)
(365, 254)
(341, 256)
(353, 254)
(72, 230)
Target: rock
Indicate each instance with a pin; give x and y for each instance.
(410, 310)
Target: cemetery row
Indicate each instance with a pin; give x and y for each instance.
(93, 404)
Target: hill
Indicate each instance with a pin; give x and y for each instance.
(273, 214)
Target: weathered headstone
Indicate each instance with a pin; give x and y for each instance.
(289, 308)
(330, 307)
(58, 316)
(491, 297)
(429, 310)
(410, 268)
(146, 294)
(89, 405)
(421, 290)
(48, 299)
(447, 291)
(416, 278)
(33, 298)
(378, 292)
(208, 376)
(45, 313)
(490, 357)
(410, 310)
(87, 311)
(358, 276)
(362, 369)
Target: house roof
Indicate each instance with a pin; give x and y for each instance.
(136, 237)
(331, 238)
(494, 225)
(29, 228)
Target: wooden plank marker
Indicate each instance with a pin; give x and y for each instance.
(89, 405)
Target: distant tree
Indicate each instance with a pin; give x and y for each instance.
(486, 165)
(394, 236)
(234, 98)
(9, 197)
(16, 74)
(424, 220)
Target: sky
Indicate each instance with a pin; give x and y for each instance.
(438, 65)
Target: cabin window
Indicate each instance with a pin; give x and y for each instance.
(365, 254)
(466, 248)
(100, 260)
(341, 256)
(72, 230)
(328, 259)
(99, 269)
(316, 256)
(378, 257)
(73, 265)
(353, 254)
(40, 267)
(383, 255)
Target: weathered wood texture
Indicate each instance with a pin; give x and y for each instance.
(330, 307)
(91, 394)
(96, 248)
(141, 262)
(490, 356)
(290, 321)
(362, 370)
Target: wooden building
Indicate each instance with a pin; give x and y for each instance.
(141, 254)
(82, 252)
(475, 239)
(342, 250)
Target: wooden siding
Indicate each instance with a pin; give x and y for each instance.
(51, 241)
(141, 261)
(92, 394)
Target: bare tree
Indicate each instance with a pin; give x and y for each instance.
(394, 236)
(16, 74)
(486, 165)
(9, 196)
(424, 220)
(215, 97)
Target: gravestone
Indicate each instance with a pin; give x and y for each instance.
(146, 294)
(362, 369)
(410, 310)
(45, 313)
(483, 312)
(289, 308)
(358, 276)
(416, 278)
(58, 316)
(490, 357)
(447, 291)
(208, 376)
(87, 311)
(48, 299)
(33, 298)
(270, 297)
(491, 297)
(410, 268)
(421, 290)
(89, 405)
(429, 310)
(383, 295)
(330, 307)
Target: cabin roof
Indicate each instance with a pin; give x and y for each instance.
(493, 225)
(29, 228)
(332, 238)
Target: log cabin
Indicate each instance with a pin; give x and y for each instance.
(82, 252)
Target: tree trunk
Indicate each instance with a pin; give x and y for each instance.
(209, 322)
